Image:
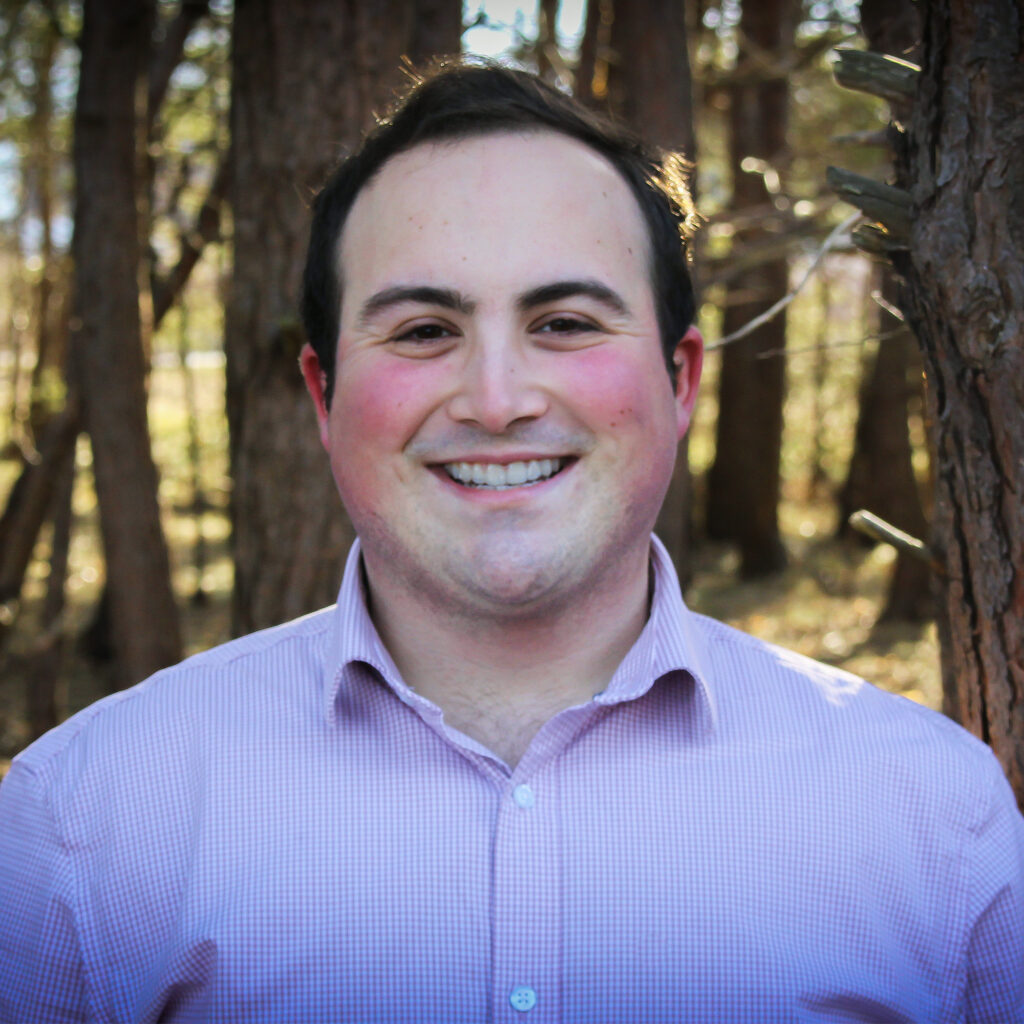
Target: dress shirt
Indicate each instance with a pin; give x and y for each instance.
(280, 829)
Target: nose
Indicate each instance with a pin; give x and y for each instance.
(497, 388)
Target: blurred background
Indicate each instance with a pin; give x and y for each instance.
(162, 487)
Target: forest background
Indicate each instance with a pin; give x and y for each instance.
(161, 482)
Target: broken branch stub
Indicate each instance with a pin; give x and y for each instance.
(886, 204)
(878, 74)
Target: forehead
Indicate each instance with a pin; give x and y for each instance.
(508, 204)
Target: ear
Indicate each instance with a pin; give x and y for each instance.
(316, 385)
(687, 360)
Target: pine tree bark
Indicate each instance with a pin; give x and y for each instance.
(881, 475)
(106, 344)
(964, 298)
(745, 479)
(649, 87)
(307, 80)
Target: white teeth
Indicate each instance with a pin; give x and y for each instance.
(493, 475)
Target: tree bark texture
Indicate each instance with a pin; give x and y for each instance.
(881, 475)
(649, 87)
(307, 79)
(744, 481)
(965, 299)
(106, 347)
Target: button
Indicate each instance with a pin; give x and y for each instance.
(523, 998)
(523, 796)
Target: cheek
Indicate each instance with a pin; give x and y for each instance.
(619, 391)
(380, 404)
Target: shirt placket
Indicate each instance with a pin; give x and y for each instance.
(527, 904)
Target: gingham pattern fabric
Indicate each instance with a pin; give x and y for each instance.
(281, 830)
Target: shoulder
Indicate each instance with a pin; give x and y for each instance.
(770, 697)
(267, 670)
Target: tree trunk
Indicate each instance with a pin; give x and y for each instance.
(106, 341)
(307, 79)
(44, 665)
(881, 475)
(965, 301)
(744, 481)
(27, 506)
(649, 88)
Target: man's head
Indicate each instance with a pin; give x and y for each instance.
(502, 430)
(464, 101)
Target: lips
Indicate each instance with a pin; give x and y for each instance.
(498, 476)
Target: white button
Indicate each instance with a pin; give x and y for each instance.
(523, 998)
(523, 796)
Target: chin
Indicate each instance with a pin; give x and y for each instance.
(517, 578)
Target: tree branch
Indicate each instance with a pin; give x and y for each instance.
(192, 242)
(167, 55)
(774, 310)
(878, 74)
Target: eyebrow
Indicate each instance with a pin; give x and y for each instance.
(447, 298)
(558, 290)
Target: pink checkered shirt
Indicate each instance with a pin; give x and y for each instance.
(281, 830)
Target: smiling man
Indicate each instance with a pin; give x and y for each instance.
(502, 424)
(509, 776)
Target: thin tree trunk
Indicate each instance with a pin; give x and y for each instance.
(106, 341)
(817, 478)
(592, 57)
(307, 79)
(965, 302)
(204, 229)
(881, 475)
(26, 510)
(650, 89)
(44, 667)
(195, 456)
(745, 479)
(49, 347)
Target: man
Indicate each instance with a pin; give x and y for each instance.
(509, 776)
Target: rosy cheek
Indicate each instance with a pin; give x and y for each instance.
(614, 385)
(380, 401)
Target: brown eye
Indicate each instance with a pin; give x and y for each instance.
(567, 325)
(424, 332)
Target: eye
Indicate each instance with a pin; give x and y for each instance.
(422, 339)
(566, 325)
(566, 331)
(423, 332)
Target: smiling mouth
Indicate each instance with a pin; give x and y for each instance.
(496, 477)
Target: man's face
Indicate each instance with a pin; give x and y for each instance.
(502, 430)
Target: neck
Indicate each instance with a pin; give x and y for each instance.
(499, 678)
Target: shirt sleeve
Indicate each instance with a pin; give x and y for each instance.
(41, 975)
(995, 954)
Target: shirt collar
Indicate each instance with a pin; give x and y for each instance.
(671, 645)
